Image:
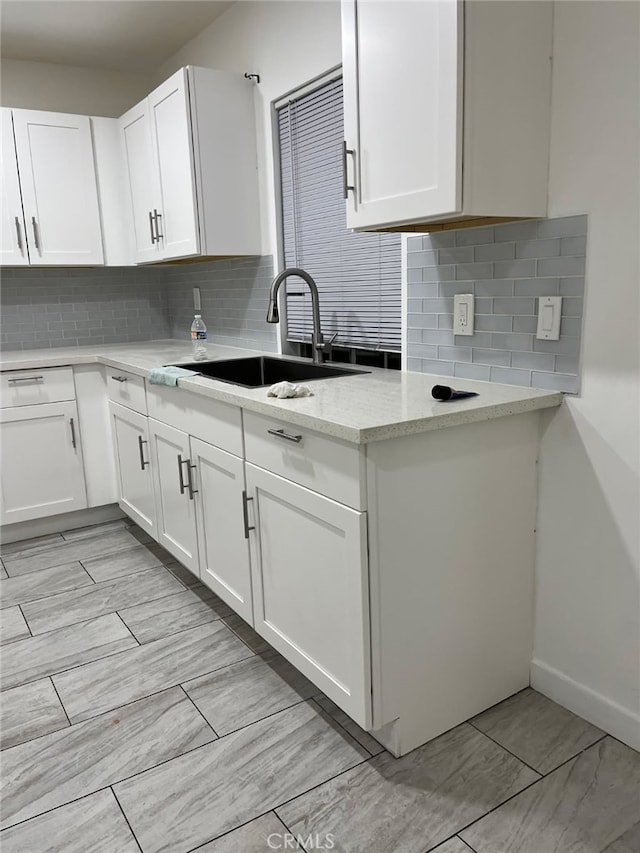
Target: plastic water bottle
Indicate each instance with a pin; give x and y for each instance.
(199, 338)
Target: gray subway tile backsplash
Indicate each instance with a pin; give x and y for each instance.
(513, 265)
(52, 307)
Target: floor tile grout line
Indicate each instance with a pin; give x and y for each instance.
(526, 788)
(497, 743)
(199, 711)
(124, 815)
(300, 844)
(466, 844)
(344, 728)
(126, 627)
(26, 621)
(61, 705)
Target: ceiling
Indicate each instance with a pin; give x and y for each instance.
(122, 35)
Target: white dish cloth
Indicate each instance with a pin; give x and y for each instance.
(289, 389)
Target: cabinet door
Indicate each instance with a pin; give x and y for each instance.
(59, 191)
(173, 152)
(175, 501)
(13, 238)
(402, 67)
(142, 182)
(222, 538)
(133, 466)
(42, 472)
(310, 587)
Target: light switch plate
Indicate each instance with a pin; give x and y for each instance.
(463, 310)
(549, 312)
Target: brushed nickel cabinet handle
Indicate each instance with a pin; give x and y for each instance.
(19, 234)
(157, 216)
(141, 443)
(36, 239)
(280, 433)
(25, 379)
(245, 514)
(190, 469)
(119, 378)
(153, 235)
(73, 433)
(181, 462)
(346, 186)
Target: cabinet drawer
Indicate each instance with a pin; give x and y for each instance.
(210, 420)
(127, 389)
(326, 465)
(31, 387)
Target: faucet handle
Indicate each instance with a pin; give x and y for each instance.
(325, 346)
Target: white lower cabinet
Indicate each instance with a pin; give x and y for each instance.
(42, 470)
(133, 465)
(174, 488)
(311, 588)
(223, 533)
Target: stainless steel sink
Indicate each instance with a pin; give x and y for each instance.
(263, 370)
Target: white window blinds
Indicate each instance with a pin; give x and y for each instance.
(358, 275)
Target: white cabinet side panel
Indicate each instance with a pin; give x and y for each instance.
(115, 211)
(507, 108)
(451, 537)
(224, 131)
(95, 431)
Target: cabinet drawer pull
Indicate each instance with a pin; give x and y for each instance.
(25, 379)
(346, 186)
(141, 443)
(190, 469)
(18, 233)
(245, 514)
(157, 216)
(280, 433)
(153, 233)
(181, 462)
(36, 238)
(73, 433)
(119, 378)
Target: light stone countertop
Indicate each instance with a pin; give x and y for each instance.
(359, 409)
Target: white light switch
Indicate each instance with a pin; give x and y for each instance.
(463, 309)
(549, 311)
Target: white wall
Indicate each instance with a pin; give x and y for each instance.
(288, 44)
(68, 89)
(587, 643)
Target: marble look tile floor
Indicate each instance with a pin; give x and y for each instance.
(139, 713)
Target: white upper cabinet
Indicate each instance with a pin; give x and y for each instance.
(13, 240)
(59, 193)
(142, 182)
(447, 109)
(191, 159)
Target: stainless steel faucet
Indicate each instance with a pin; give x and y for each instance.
(317, 340)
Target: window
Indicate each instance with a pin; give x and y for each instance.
(358, 275)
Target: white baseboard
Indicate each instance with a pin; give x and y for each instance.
(612, 718)
(59, 523)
